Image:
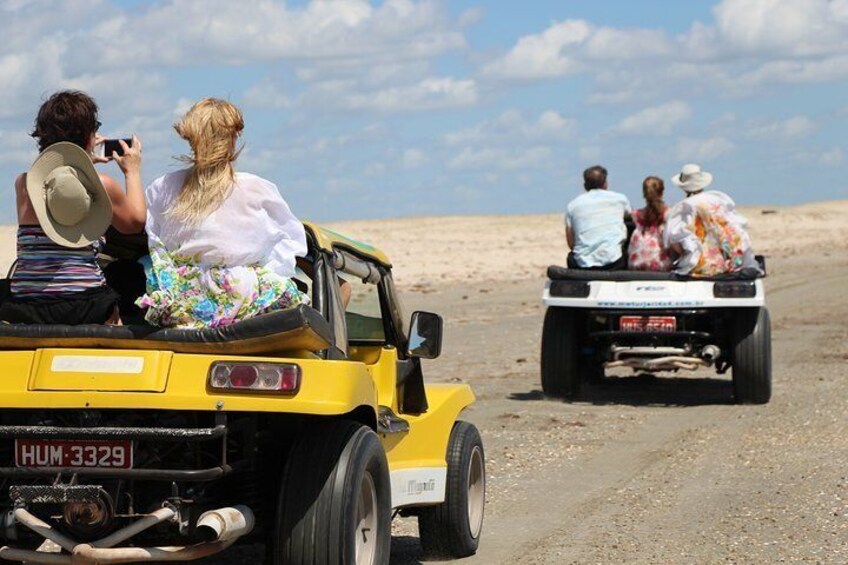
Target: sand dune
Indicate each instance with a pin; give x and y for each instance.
(428, 251)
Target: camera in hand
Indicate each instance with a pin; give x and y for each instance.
(113, 146)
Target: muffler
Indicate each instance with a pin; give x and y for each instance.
(225, 524)
(219, 529)
(710, 353)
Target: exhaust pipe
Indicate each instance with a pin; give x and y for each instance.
(225, 524)
(218, 528)
(710, 353)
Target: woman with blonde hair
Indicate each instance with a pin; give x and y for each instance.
(222, 243)
(646, 251)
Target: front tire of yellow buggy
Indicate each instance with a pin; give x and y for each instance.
(452, 529)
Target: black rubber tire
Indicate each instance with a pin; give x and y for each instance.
(752, 356)
(560, 354)
(316, 521)
(445, 530)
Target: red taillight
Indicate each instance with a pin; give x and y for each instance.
(289, 378)
(258, 377)
(243, 376)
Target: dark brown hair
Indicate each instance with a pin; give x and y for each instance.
(594, 177)
(652, 190)
(68, 115)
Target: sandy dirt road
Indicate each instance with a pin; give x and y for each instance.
(652, 469)
(658, 470)
(642, 469)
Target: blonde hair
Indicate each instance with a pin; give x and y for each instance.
(211, 128)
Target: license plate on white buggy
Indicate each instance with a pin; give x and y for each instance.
(109, 454)
(642, 324)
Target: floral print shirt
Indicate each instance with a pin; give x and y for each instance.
(646, 251)
(712, 234)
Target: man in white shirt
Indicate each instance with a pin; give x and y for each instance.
(595, 225)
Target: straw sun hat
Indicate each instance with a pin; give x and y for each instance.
(692, 179)
(71, 203)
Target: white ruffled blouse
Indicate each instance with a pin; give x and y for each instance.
(235, 264)
(253, 226)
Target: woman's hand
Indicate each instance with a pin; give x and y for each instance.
(98, 139)
(130, 161)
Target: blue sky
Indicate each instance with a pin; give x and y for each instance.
(359, 109)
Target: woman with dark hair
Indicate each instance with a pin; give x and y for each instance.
(646, 251)
(64, 207)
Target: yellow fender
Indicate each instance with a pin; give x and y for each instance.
(417, 458)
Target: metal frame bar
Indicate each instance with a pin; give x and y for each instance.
(136, 434)
(199, 475)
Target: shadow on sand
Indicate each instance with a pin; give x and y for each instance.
(406, 550)
(648, 390)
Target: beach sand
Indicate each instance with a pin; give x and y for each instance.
(641, 468)
(429, 251)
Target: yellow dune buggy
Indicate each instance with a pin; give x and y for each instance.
(305, 430)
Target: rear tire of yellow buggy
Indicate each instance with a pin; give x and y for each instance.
(334, 505)
(452, 529)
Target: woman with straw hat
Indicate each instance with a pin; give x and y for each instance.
(222, 243)
(64, 207)
(705, 231)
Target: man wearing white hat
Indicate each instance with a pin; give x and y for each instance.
(705, 231)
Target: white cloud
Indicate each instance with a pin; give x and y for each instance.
(428, 94)
(16, 149)
(796, 28)
(543, 55)
(512, 127)
(495, 158)
(656, 120)
(791, 128)
(691, 149)
(414, 158)
(471, 16)
(590, 153)
(267, 96)
(346, 29)
(375, 169)
(749, 45)
(832, 158)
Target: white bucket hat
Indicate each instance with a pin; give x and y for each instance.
(692, 179)
(71, 203)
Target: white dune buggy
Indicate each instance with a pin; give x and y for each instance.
(652, 322)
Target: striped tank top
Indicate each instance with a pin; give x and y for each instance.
(45, 267)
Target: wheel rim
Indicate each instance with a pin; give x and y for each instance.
(476, 492)
(366, 522)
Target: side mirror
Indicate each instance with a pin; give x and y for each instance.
(425, 335)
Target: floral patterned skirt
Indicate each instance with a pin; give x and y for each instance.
(723, 247)
(184, 295)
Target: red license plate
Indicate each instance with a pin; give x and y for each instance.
(110, 454)
(660, 324)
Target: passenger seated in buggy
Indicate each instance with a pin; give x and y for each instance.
(705, 232)
(223, 244)
(596, 225)
(64, 206)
